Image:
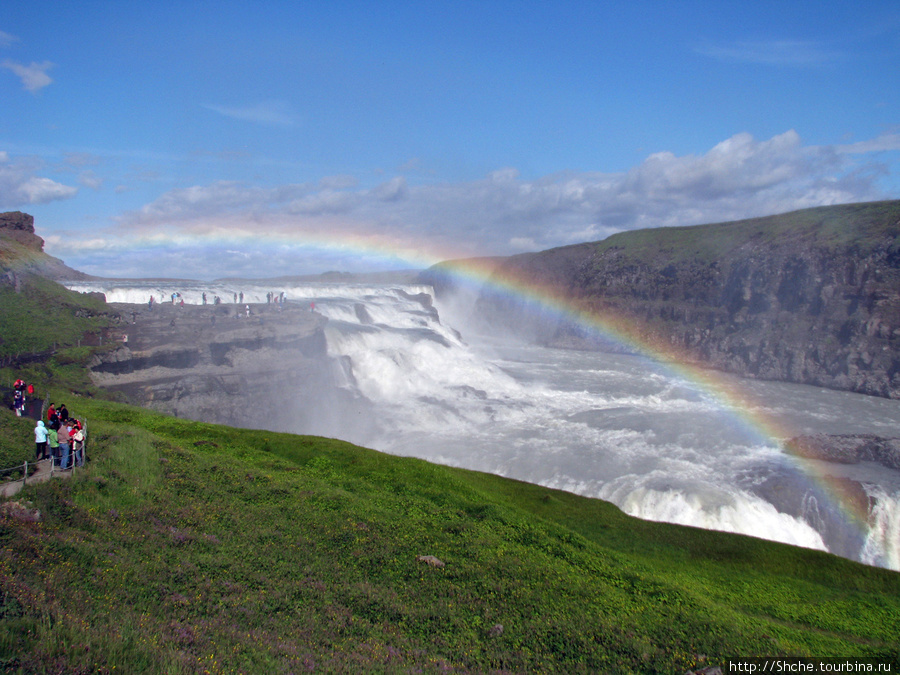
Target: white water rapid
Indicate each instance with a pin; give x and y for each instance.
(613, 426)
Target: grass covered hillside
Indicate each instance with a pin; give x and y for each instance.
(187, 547)
(859, 227)
(44, 315)
(37, 314)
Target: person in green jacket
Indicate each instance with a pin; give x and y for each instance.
(53, 440)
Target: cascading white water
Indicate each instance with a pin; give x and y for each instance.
(611, 426)
(882, 547)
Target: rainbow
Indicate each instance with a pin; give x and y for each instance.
(485, 272)
(743, 408)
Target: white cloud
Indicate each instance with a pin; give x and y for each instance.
(523, 243)
(341, 182)
(34, 76)
(42, 190)
(504, 213)
(82, 159)
(20, 185)
(91, 180)
(392, 190)
(271, 113)
(7, 40)
(222, 197)
(887, 141)
(793, 53)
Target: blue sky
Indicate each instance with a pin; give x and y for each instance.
(201, 139)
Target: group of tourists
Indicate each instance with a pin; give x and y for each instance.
(272, 298)
(62, 439)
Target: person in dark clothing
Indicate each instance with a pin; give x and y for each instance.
(19, 404)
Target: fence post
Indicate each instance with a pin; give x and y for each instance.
(25, 475)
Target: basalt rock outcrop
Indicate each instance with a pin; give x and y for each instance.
(22, 252)
(811, 297)
(848, 448)
(268, 370)
(19, 227)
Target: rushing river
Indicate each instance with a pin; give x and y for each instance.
(613, 426)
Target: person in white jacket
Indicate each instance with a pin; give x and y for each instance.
(40, 440)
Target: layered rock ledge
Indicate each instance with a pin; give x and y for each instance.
(268, 370)
(848, 448)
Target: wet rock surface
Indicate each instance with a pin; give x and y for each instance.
(848, 448)
(216, 363)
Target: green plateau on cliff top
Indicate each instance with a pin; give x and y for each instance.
(859, 226)
(186, 547)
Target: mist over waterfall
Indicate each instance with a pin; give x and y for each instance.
(615, 426)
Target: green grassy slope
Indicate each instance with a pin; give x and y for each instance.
(859, 227)
(44, 315)
(42, 326)
(188, 547)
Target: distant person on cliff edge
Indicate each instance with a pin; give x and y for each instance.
(19, 404)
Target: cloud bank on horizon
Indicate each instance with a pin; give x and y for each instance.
(319, 139)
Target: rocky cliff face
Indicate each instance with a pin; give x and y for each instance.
(22, 251)
(20, 227)
(212, 363)
(811, 297)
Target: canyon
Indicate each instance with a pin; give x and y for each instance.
(811, 297)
